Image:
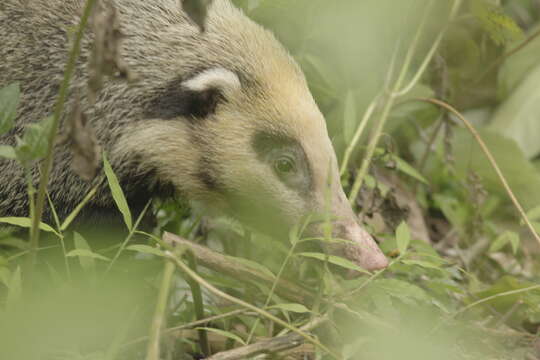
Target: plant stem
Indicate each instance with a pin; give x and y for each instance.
(198, 304)
(47, 163)
(491, 159)
(244, 304)
(153, 350)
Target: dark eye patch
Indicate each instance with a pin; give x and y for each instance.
(271, 147)
(174, 101)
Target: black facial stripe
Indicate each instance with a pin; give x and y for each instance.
(175, 100)
(265, 144)
(208, 174)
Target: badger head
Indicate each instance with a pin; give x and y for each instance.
(232, 124)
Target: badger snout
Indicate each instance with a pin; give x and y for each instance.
(360, 247)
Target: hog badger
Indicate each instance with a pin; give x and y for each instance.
(223, 117)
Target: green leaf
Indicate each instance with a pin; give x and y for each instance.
(296, 308)
(86, 253)
(117, 193)
(35, 141)
(26, 223)
(224, 333)
(336, 260)
(508, 237)
(423, 263)
(517, 118)
(500, 27)
(403, 237)
(523, 178)
(145, 249)
(7, 152)
(87, 263)
(407, 169)
(9, 101)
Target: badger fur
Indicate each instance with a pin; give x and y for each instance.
(223, 117)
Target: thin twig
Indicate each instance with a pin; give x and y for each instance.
(58, 110)
(491, 159)
(244, 304)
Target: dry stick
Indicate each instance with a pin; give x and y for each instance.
(491, 159)
(58, 110)
(505, 56)
(269, 346)
(244, 304)
(225, 265)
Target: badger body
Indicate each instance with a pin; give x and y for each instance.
(223, 117)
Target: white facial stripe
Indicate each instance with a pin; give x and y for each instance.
(214, 78)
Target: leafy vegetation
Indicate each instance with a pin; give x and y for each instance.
(401, 84)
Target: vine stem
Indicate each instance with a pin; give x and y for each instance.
(46, 166)
(397, 91)
(490, 157)
(244, 304)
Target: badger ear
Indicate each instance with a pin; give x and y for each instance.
(196, 97)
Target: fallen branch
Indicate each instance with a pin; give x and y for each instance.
(225, 265)
(268, 346)
(249, 306)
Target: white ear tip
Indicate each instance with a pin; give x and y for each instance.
(214, 78)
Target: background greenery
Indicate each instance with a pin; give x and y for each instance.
(464, 279)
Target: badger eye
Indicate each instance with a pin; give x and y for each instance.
(284, 166)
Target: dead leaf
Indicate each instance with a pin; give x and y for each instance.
(82, 140)
(106, 59)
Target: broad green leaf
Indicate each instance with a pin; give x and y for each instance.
(86, 253)
(297, 308)
(224, 333)
(517, 67)
(117, 193)
(518, 118)
(26, 223)
(336, 260)
(523, 178)
(403, 237)
(15, 289)
(145, 249)
(7, 152)
(9, 101)
(87, 263)
(35, 141)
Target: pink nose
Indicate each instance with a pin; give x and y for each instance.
(361, 248)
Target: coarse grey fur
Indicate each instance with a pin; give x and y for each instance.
(257, 112)
(162, 46)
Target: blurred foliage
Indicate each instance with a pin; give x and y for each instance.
(469, 290)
